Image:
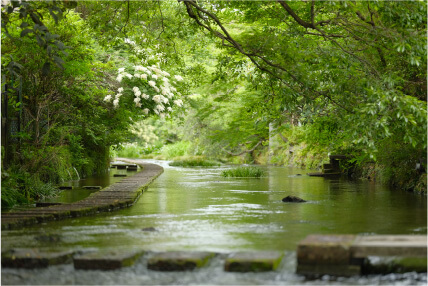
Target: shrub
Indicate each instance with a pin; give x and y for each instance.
(129, 150)
(177, 149)
(195, 161)
(247, 172)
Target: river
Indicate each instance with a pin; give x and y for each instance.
(197, 209)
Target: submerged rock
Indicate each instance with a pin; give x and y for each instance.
(293, 199)
(149, 229)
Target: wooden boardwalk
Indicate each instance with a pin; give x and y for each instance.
(119, 195)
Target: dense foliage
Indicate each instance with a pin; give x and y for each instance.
(249, 81)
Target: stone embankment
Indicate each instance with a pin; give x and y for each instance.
(119, 195)
(332, 169)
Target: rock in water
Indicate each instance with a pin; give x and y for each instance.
(293, 199)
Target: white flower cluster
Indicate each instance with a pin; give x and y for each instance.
(154, 81)
(122, 74)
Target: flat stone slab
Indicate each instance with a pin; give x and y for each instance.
(344, 255)
(390, 245)
(34, 258)
(178, 260)
(106, 260)
(45, 204)
(65, 187)
(325, 249)
(92, 187)
(253, 261)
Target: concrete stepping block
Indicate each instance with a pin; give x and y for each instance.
(106, 260)
(179, 260)
(34, 258)
(45, 204)
(92, 187)
(259, 261)
(318, 255)
(65, 187)
(390, 245)
(325, 249)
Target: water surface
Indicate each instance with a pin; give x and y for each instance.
(197, 209)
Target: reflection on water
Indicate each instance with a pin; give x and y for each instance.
(79, 193)
(197, 209)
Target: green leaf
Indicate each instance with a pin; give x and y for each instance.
(54, 16)
(24, 24)
(26, 31)
(58, 61)
(40, 41)
(46, 68)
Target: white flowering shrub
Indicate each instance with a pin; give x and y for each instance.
(153, 90)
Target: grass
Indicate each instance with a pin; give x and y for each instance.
(194, 161)
(177, 149)
(244, 172)
(129, 150)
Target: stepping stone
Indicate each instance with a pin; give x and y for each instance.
(178, 260)
(92, 187)
(390, 245)
(106, 260)
(120, 175)
(65, 187)
(33, 258)
(43, 204)
(253, 261)
(327, 254)
(132, 168)
(325, 249)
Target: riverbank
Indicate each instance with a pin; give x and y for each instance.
(119, 195)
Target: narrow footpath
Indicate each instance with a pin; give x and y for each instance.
(119, 195)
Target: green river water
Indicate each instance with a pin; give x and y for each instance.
(197, 209)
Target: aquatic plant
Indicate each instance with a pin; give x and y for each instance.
(248, 172)
(194, 162)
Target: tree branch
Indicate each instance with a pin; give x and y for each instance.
(245, 151)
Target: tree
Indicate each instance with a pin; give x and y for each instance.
(358, 62)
